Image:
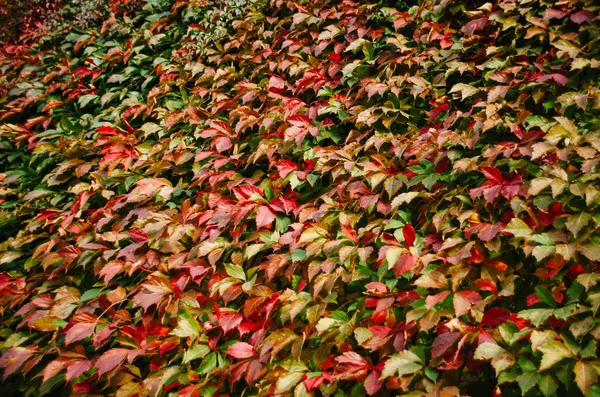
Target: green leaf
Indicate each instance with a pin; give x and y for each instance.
(236, 271)
(575, 223)
(585, 376)
(518, 228)
(548, 385)
(90, 294)
(542, 251)
(208, 364)
(588, 280)
(545, 296)
(590, 251)
(536, 316)
(187, 326)
(400, 364)
(554, 352)
(198, 351)
(487, 351)
(527, 381)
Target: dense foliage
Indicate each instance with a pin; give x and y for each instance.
(320, 197)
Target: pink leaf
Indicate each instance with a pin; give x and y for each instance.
(82, 326)
(433, 300)
(494, 317)
(110, 360)
(463, 301)
(557, 77)
(53, 368)
(372, 383)
(242, 350)
(405, 263)
(77, 368)
(552, 13)
(488, 231)
(582, 16)
(264, 216)
(443, 342)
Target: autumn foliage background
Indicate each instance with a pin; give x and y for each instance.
(310, 198)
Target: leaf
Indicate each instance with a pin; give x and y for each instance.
(463, 301)
(111, 359)
(588, 280)
(350, 366)
(83, 327)
(236, 271)
(542, 251)
(405, 263)
(492, 174)
(488, 351)
(264, 216)
(187, 326)
(241, 350)
(548, 385)
(409, 235)
(527, 381)
(77, 368)
(585, 376)
(372, 383)
(443, 342)
(545, 296)
(400, 364)
(553, 353)
(53, 368)
(518, 228)
(575, 223)
(465, 90)
(48, 323)
(494, 317)
(536, 316)
(582, 17)
(590, 251)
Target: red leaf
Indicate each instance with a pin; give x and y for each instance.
(264, 216)
(409, 235)
(285, 167)
(106, 130)
(313, 383)
(463, 301)
(111, 359)
(443, 342)
(492, 174)
(349, 233)
(351, 365)
(582, 16)
(485, 284)
(495, 316)
(229, 321)
(379, 317)
(241, 350)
